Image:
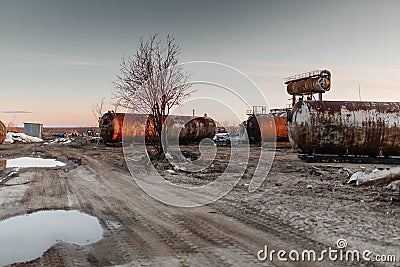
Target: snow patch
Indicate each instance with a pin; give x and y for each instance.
(21, 137)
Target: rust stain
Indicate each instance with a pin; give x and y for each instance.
(273, 128)
(3, 132)
(131, 128)
(346, 128)
(309, 83)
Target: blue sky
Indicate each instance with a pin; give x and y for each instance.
(58, 58)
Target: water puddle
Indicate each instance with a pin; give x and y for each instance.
(27, 237)
(29, 162)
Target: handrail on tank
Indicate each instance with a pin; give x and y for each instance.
(310, 74)
(257, 110)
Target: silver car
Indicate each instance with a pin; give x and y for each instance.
(222, 139)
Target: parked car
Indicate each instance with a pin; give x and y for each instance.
(222, 139)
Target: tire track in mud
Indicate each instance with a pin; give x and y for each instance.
(161, 227)
(199, 231)
(133, 219)
(288, 236)
(217, 240)
(100, 206)
(48, 189)
(152, 233)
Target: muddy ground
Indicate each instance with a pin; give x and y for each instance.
(300, 206)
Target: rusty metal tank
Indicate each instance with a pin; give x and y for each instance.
(137, 127)
(3, 132)
(112, 126)
(346, 128)
(274, 127)
(310, 82)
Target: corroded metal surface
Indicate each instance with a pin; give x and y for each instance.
(349, 159)
(113, 125)
(118, 127)
(3, 132)
(346, 128)
(273, 128)
(314, 82)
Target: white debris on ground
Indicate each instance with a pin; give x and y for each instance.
(171, 171)
(354, 177)
(63, 141)
(375, 170)
(11, 174)
(21, 137)
(377, 177)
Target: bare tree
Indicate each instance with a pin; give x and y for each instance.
(11, 126)
(98, 109)
(116, 105)
(152, 82)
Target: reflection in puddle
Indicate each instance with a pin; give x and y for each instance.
(28, 162)
(27, 237)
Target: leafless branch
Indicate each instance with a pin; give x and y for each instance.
(98, 109)
(152, 82)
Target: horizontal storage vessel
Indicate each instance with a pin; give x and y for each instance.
(345, 128)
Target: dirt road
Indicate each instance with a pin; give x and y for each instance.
(299, 207)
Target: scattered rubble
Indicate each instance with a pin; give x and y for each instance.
(62, 141)
(377, 177)
(395, 185)
(354, 177)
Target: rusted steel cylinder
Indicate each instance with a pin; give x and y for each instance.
(3, 132)
(267, 128)
(346, 128)
(131, 128)
(113, 125)
(314, 84)
(194, 130)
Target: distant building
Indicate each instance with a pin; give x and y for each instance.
(33, 129)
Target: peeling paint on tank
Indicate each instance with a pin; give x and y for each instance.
(340, 127)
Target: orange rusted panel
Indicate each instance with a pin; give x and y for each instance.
(281, 126)
(267, 128)
(3, 132)
(346, 128)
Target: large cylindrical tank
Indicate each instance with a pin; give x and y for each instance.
(3, 132)
(196, 129)
(112, 125)
(346, 128)
(311, 83)
(267, 128)
(135, 127)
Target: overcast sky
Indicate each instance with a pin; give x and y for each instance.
(58, 58)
